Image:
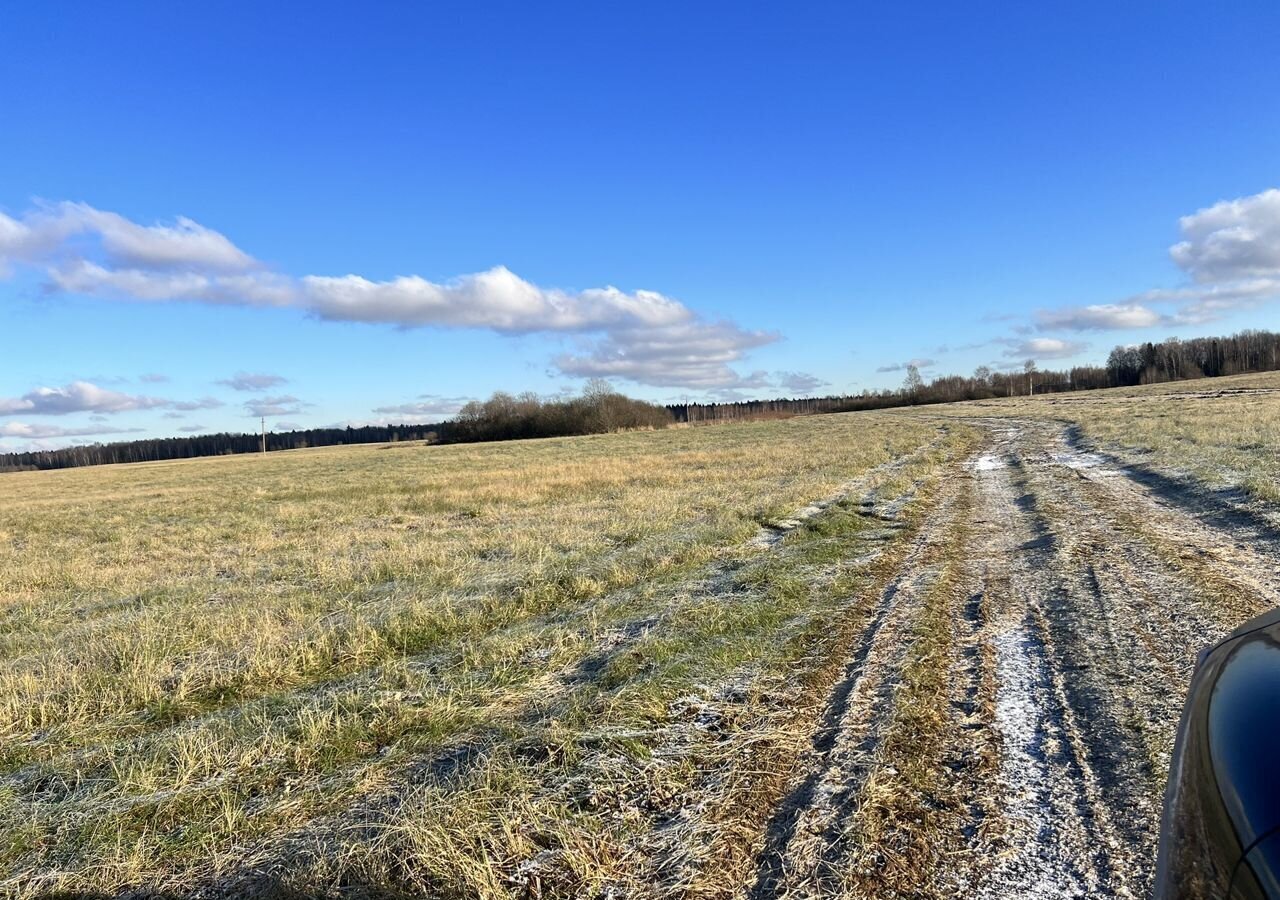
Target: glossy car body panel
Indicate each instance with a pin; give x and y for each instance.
(1221, 831)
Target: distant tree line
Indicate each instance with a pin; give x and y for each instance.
(601, 409)
(501, 417)
(225, 443)
(757, 409)
(1149, 363)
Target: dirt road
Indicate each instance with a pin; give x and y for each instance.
(1077, 592)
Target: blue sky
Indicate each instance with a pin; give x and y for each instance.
(384, 209)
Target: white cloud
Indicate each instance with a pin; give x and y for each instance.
(1231, 240)
(1041, 348)
(283, 405)
(253, 381)
(83, 276)
(1099, 317)
(23, 241)
(153, 378)
(26, 430)
(79, 396)
(642, 336)
(1231, 254)
(85, 396)
(800, 383)
(1204, 303)
(189, 405)
(428, 405)
(497, 299)
(81, 230)
(692, 354)
(919, 363)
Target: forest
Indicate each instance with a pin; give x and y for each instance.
(602, 409)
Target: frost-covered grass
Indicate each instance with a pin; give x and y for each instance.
(1223, 432)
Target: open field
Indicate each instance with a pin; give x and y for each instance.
(1220, 432)
(932, 652)
(465, 670)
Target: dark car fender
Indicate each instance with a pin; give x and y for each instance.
(1220, 834)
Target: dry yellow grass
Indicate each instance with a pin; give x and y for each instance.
(436, 669)
(1224, 432)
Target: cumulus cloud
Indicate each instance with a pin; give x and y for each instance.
(1231, 240)
(72, 226)
(84, 276)
(427, 405)
(497, 299)
(1100, 317)
(1041, 348)
(800, 383)
(641, 335)
(902, 366)
(253, 381)
(692, 354)
(79, 396)
(26, 430)
(85, 396)
(189, 405)
(282, 405)
(1230, 253)
(1204, 303)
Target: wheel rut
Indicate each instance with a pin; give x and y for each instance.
(804, 841)
(1087, 589)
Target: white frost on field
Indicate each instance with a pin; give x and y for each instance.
(1036, 864)
(768, 535)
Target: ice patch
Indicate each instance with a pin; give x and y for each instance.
(1080, 460)
(987, 462)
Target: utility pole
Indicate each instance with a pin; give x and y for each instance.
(264, 434)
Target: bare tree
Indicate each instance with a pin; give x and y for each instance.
(1030, 368)
(913, 382)
(597, 388)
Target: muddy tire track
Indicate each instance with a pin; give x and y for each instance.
(1091, 588)
(1096, 646)
(803, 843)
